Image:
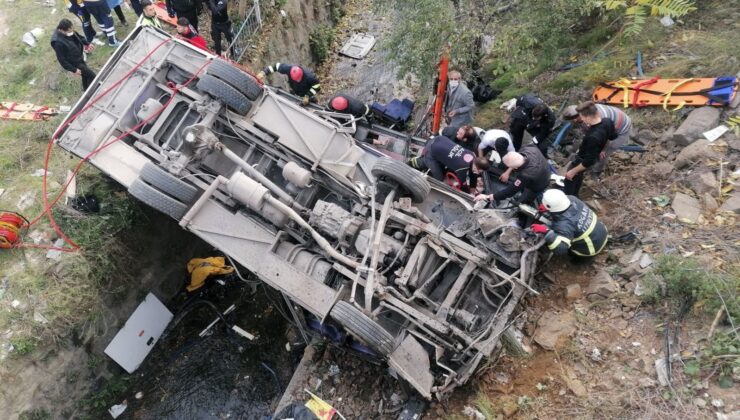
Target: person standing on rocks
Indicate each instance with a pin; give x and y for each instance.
(302, 81)
(575, 228)
(533, 115)
(459, 103)
(622, 124)
(595, 141)
(70, 48)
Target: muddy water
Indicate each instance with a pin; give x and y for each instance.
(222, 375)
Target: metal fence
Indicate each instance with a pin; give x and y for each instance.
(251, 24)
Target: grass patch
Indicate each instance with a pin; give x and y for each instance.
(23, 345)
(67, 294)
(108, 394)
(36, 414)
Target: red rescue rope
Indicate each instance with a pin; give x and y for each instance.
(48, 205)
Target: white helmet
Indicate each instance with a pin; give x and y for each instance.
(555, 201)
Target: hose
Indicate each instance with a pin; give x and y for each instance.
(188, 307)
(11, 226)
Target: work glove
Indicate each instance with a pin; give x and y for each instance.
(538, 228)
(261, 76)
(541, 208)
(305, 100)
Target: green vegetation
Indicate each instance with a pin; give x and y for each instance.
(36, 414)
(23, 345)
(635, 12)
(99, 400)
(55, 298)
(683, 281)
(320, 41)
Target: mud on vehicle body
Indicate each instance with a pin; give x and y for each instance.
(398, 261)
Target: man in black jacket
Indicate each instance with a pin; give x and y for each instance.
(600, 132)
(532, 175)
(221, 24)
(302, 81)
(533, 115)
(70, 48)
(188, 9)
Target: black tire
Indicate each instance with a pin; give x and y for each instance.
(242, 81)
(167, 183)
(157, 199)
(224, 92)
(408, 178)
(362, 327)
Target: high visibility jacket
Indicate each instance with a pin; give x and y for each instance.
(576, 230)
(309, 84)
(145, 20)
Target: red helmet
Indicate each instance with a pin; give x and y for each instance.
(339, 103)
(296, 74)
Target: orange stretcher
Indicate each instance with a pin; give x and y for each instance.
(26, 112)
(162, 14)
(715, 91)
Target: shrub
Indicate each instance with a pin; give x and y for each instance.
(320, 41)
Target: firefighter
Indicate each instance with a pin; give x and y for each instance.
(532, 176)
(302, 81)
(345, 104)
(575, 228)
(534, 116)
(446, 159)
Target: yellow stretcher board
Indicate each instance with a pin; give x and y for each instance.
(675, 93)
(26, 112)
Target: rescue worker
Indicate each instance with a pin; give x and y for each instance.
(622, 124)
(495, 140)
(441, 156)
(70, 48)
(188, 9)
(600, 132)
(186, 31)
(77, 7)
(137, 6)
(302, 81)
(101, 12)
(221, 24)
(459, 103)
(346, 104)
(464, 135)
(575, 229)
(534, 116)
(532, 176)
(149, 15)
(115, 5)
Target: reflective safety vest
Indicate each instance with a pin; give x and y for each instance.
(576, 230)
